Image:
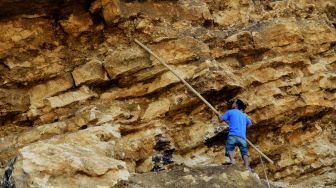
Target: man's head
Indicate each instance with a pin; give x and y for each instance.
(239, 104)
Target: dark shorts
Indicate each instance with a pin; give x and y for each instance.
(233, 141)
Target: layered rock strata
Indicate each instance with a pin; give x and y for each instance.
(81, 103)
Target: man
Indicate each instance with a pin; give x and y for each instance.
(238, 121)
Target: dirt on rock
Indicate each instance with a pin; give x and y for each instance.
(208, 176)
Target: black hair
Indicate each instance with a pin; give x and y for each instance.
(241, 105)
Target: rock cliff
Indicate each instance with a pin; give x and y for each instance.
(81, 104)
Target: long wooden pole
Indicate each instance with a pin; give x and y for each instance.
(195, 92)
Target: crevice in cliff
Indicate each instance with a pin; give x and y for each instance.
(227, 93)
(217, 140)
(103, 87)
(8, 117)
(15, 8)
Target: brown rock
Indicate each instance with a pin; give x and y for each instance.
(80, 155)
(126, 60)
(96, 6)
(91, 72)
(77, 23)
(210, 176)
(42, 91)
(278, 56)
(279, 35)
(111, 11)
(227, 18)
(156, 109)
(180, 50)
(82, 93)
(140, 89)
(13, 101)
(20, 39)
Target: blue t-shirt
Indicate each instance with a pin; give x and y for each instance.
(238, 122)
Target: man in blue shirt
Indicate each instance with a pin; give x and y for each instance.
(238, 122)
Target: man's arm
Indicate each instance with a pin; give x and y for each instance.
(224, 117)
(249, 122)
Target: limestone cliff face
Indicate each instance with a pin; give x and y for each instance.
(81, 103)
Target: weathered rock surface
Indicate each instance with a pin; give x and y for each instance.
(91, 72)
(70, 73)
(40, 92)
(81, 159)
(211, 176)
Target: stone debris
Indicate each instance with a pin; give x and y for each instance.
(210, 176)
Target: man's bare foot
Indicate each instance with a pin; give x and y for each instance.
(249, 169)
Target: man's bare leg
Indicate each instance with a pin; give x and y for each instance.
(232, 160)
(246, 162)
